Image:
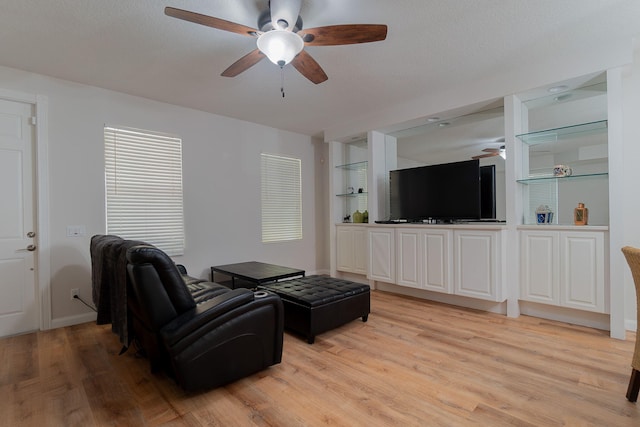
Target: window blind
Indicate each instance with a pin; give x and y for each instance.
(143, 177)
(281, 198)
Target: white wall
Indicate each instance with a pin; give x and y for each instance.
(221, 162)
(536, 72)
(631, 176)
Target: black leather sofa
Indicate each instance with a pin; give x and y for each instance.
(201, 333)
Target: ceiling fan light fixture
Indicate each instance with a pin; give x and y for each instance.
(285, 45)
(280, 46)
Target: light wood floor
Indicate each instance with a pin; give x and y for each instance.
(413, 363)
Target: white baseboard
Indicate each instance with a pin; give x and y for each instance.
(354, 277)
(317, 272)
(73, 320)
(567, 315)
(461, 301)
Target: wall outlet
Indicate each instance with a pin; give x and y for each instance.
(75, 292)
(76, 230)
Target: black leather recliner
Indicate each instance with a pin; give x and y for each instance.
(220, 336)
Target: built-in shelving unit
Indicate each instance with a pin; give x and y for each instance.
(558, 134)
(357, 166)
(561, 264)
(559, 270)
(359, 194)
(555, 178)
(349, 184)
(581, 147)
(353, 189)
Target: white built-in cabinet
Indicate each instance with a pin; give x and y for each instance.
(351, 249)
(540, 266)
(437, 267)
(565, 268)
(557, 264)
(382, 254)
(562, 264)
(424, 258)
(467, 262)
(409, 258)
(479, 261)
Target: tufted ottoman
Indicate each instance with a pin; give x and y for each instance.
(316, 304)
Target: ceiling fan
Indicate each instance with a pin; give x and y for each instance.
(281, 37)
(491, 152)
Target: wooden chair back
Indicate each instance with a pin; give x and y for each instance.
(633, 259)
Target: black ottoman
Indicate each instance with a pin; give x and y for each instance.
(316, 304)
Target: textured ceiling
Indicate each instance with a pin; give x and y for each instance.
(132, 47)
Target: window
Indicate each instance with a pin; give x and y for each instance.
(143, 174)
(281, 198)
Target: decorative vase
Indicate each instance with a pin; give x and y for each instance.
(544, 215)
(581, 215)
(357, 217)
(562, 170)
(365, 216)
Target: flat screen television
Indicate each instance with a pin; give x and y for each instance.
(488, 192)
(448, 192)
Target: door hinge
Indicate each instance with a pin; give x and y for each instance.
(33, 120)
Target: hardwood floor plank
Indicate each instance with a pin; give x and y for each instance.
(142, 386)
(341, 385)
(18, 408)
(19, 357)
(485, 415)
(110, 401)
(414, 363)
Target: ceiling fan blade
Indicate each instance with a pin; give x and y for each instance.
(308, 67)
(482, 156)
(244, 63)
(491, 150)
(210, 21)
(333, 35)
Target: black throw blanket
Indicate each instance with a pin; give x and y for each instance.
(109, 282)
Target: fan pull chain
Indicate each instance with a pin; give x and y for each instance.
(282, 81)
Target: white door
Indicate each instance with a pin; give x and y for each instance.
(18, 303)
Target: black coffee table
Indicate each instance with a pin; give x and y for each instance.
(253, 273)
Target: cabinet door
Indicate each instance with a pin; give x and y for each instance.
(539, 267)
(582, 270)
(344, 249)
(409, 258)
(359, 250)
(436, 260)
(382, 255)
(477, 272)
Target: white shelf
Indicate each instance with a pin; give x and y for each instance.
(565, 132)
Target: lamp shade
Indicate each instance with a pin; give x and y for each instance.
(280, 46)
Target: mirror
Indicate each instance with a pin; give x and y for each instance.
(446, 139)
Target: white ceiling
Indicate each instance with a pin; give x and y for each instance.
(132, 47)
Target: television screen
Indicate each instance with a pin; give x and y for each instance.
(488, 192)
(448, 191)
